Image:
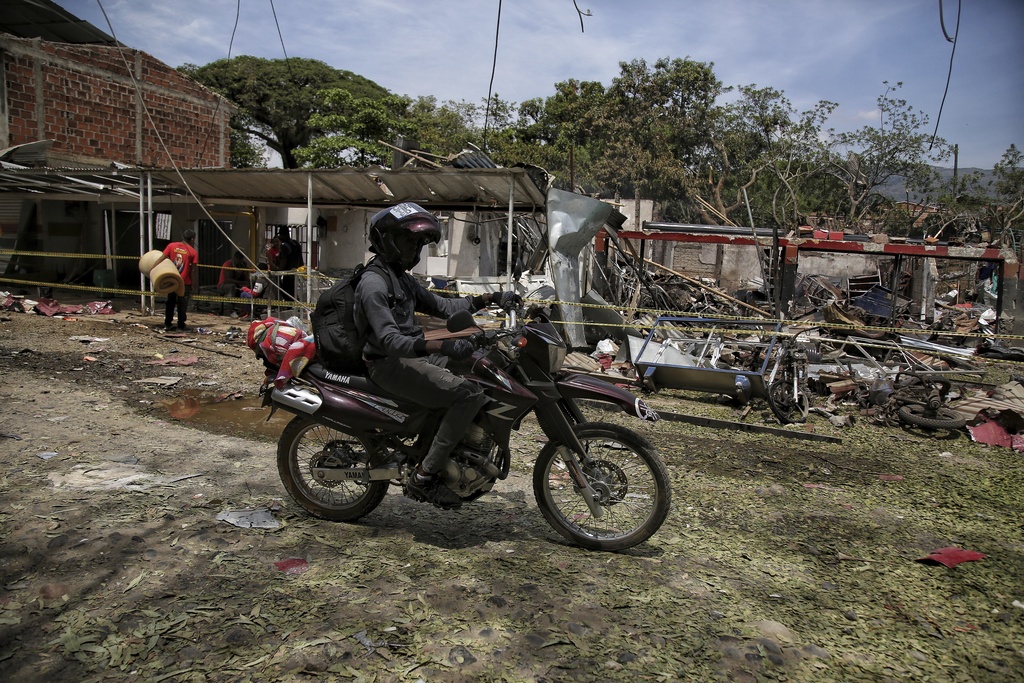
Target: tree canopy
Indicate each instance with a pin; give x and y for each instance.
(278, 97)
(669, 131)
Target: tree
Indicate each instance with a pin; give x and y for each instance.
(653, 126)
(1008, 209)
(565, 128)
(351, 130)
(246, 152)
(744, 138)
(776, 154)
(863, 160)
(277, 97)
(442, 129)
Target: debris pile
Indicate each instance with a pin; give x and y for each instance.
(16, 303)
(857, 346)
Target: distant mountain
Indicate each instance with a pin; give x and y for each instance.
(895, 188)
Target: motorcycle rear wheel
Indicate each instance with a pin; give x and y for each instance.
(942, 418)
(304, 444)
(629, 478)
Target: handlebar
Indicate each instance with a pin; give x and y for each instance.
(511, 327)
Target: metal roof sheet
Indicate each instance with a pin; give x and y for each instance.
(442, 189)
(47, 20)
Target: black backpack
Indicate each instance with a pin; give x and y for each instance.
(339, 344)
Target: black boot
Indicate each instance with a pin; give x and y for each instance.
(431, 489)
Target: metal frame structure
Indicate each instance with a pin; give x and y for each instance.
(789, 249)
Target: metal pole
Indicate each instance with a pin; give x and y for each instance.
(142, 248)
(896, 272)
(149, 208)
(149, 221)
(106, 241)
(309, 245)
(999, 294)
(508, 250)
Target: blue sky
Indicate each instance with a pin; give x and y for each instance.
(838, 50)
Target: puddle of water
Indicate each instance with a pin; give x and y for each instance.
(235, 415)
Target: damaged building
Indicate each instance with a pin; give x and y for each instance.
(659, 305)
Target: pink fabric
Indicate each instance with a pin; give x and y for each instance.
(286, 348)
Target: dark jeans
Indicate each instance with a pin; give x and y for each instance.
(423, 381)
(179, 302)
(287, 287)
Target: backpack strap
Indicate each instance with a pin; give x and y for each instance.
(385, 272)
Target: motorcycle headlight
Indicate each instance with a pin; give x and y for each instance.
(544, 346)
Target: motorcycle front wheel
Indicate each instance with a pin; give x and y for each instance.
(790, 406)
(306, 444)
(630, 481)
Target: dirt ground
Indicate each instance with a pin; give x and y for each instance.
(782, 559)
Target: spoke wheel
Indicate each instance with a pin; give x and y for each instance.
(942, 418)
(306, 444)
(630, 484)
(788, 407)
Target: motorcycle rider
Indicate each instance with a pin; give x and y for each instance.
(398, 357)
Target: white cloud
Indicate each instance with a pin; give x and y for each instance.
(810, 49)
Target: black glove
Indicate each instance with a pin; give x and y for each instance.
(459, 349)
(506, 300)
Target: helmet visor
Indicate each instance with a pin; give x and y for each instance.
(426, 229)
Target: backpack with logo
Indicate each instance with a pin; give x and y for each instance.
(339, 342)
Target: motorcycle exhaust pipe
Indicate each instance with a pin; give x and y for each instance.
(298, 399)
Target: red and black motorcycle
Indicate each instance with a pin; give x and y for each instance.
(600, 485)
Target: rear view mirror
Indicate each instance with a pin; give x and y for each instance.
(461, 320)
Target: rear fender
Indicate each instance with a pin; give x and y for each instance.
(593, 389)
(348, 406)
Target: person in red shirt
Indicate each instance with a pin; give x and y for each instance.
(184, 256)
(233, 276)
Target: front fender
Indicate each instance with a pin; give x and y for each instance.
(593, 389)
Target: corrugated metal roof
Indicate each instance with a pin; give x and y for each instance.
(47, 20)
(442, 189)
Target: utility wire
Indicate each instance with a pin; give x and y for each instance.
(494, 61)
(220, 100)
(949, 73)
(234, 29)
(167, 152)
(494, 67)
(278, 24)
(942, 22)
(582, 14)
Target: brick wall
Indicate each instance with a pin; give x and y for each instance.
(84, 99)
(696, 260)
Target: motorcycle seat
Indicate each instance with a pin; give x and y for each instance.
(351, 381)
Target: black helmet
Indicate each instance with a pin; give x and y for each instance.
(409, 217)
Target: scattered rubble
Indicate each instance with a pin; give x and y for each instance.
(858, 339)
(16, 303)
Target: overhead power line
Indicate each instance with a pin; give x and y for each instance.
(949, 73)
(167, 152)
(278, 24)
(494, 61)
